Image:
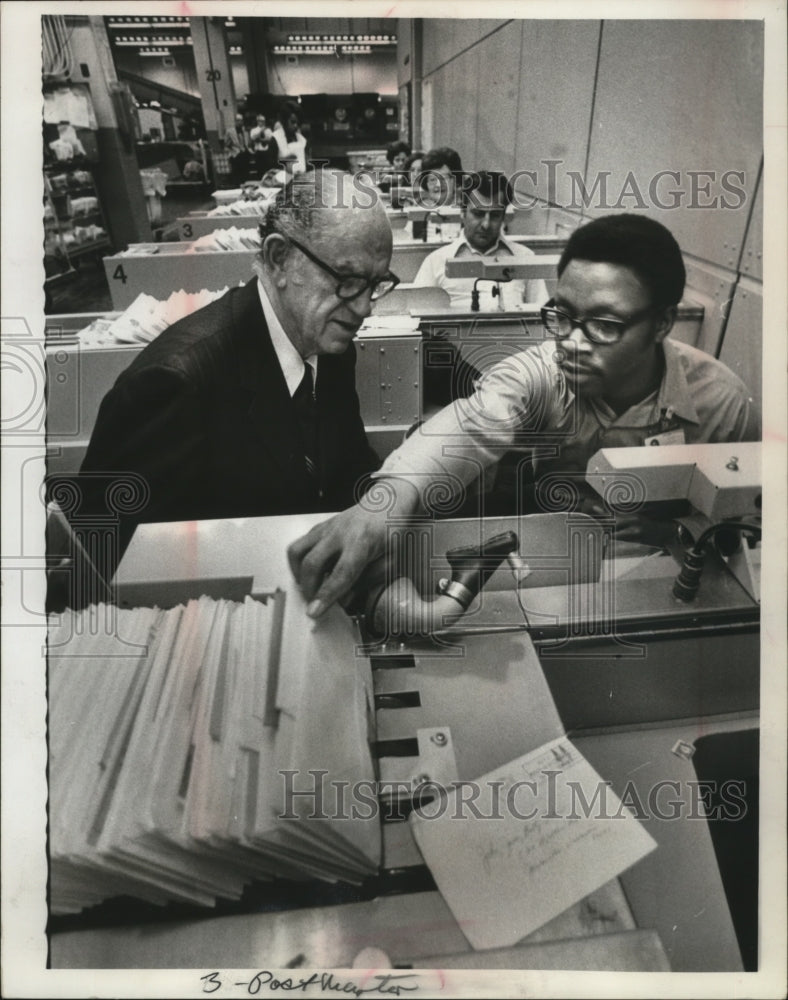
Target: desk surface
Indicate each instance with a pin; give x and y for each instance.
(675, 890)
(410, 928)
(251, 548)
(668, 890)
(253, 551)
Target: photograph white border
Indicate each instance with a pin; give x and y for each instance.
(24, 946)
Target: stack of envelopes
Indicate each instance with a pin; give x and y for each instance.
(228, 239)
(145, 318)
(173, 736)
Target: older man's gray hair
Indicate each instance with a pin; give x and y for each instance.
(304, 204)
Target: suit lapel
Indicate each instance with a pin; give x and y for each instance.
(269, 407)
(325, 431)
(331, 385)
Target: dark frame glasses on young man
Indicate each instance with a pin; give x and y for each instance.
(350, 286)
(598, 330)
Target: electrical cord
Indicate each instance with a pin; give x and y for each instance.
(687, 583)
(56, 39)
(512, 562)
(720, 526)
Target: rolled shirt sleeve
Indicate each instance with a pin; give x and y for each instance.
(519, 396)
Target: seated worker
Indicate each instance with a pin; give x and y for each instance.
(441, 168)
(611, 377)
(413, 167)
(484, 197)
(397, 154)
(248, 406)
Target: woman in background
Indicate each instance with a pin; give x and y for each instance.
(441, 168)
(413, 166)
(289, 138)
(397, 154)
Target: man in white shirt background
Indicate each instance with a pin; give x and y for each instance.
(484, 198)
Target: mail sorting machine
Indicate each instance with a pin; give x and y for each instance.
(648, 658)
(422, 223)
(159, 268)
(406, 367)
(246, 215)
(246, 211)
(200, 223)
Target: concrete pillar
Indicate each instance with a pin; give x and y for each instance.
(409, 45)
(254, 44)
(214, 77)
(416, 78)
(117, 174)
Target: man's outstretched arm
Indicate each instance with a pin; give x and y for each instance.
(446, 453)
(328, 560)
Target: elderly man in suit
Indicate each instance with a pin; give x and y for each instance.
(248, 406)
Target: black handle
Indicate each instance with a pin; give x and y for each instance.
(473, 565)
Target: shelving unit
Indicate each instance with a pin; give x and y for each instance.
(74, 221)
(75, 226)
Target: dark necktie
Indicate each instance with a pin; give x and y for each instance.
(306, 410)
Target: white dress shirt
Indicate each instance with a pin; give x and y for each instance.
(290, 361)
(510, 295)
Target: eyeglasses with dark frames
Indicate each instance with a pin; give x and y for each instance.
(350, 286)
(598, 330)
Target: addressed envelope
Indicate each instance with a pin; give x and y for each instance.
(544, 832)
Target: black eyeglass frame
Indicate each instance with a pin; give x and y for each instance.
(622, 325)
(370, 283)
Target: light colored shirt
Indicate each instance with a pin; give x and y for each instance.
(290, 361)
(510, 294)
(296, 148)
(526, 400)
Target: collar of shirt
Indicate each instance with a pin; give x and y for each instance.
(674, 393)
(671, 398)
(461, 245)
(290, 361)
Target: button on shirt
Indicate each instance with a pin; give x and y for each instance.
(527, 400)
(511, 295)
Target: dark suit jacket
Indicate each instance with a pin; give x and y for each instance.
(203, 414)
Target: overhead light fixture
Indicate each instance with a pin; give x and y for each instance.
(128, 22)
(148, 40)
(376, 40)
(155, 52)
(236, 50)
(363, 49)
(137, 23)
